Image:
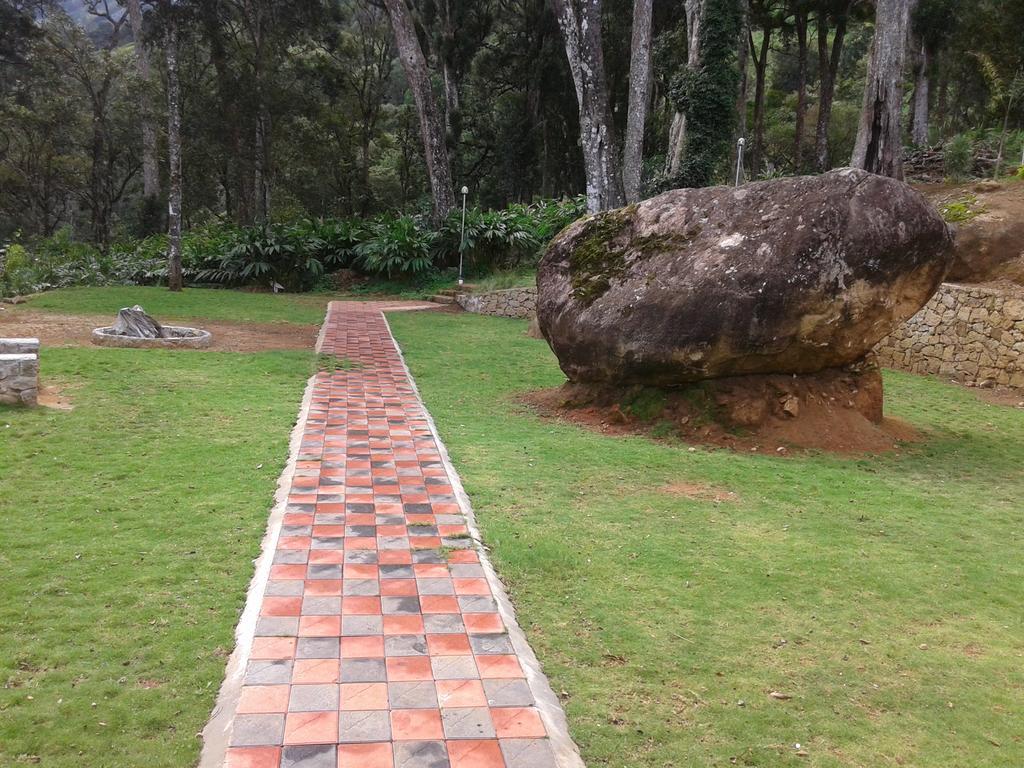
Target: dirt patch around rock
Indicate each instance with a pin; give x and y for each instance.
(838, 411)
(56, 330)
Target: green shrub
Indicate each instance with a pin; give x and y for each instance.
(402, 246)
(958, 158)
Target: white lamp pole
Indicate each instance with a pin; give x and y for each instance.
(739, 160)
(462, 242)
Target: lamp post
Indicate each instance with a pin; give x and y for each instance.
(462, 241)
(739, 159)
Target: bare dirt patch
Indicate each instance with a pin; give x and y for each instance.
(698, 492)
(837, 413)
(55, 396)
(56, 330)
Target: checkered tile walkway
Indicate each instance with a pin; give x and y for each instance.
(379, 642)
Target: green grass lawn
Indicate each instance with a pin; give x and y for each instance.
(882, 594)
(206, 303)
(127, 531)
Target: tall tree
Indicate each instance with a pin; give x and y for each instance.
(765, 16)
(837, 14)
(677, 131)
(435, 149)
(879, 144)
(174, 196)
(639, 99)
(147, 120)
(801, 16)
(580, 22)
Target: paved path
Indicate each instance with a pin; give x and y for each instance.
(381, 640)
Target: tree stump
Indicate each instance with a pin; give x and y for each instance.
(135, 322)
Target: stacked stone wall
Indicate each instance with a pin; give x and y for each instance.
(513, 302)
(19, 371)
(970, 333)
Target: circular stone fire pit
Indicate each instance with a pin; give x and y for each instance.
(177, 337)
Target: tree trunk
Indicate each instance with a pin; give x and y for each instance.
(742, 55)
(150, 168)
(677, 132)
(828, 69)
(639, 99)
(174, 279)
(801, 88)
(431, 125)
(922, 84)
(582, 34)
(879, 146)
(760, 79)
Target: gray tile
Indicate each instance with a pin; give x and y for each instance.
(497, 644)
(428, 556)
(467, 723)
(477, 604)
(257, 730)
(329, 518)
(454, 668)
(443, 623)
(364, 726)
(527, 753)
(276, 672)
(435, 586)
(361, 531)
(361, 556)
(508, 693)
(423, 530)
(296, 530)
(277, 626)
(361, 625)
(311, 756)
(405, 645)
(323, 571)
(467, 571)
(327, 542)
(317, 648)
(420, 694)
(457, 542)
(315, 605)
(313, 698)
(421, 754)
(363, 671)
(396, 572)
(447, 519)
(290, 556)
(399, 605)
(393, 542)
(284, 587)
(361, 587)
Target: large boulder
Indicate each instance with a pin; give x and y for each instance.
(786, 276)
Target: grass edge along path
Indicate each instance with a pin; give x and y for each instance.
(127, 532)
(839, 612)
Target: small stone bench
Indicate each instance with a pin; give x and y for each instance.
(19, 371)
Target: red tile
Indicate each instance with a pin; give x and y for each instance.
(398, 587)
(483, 623)
(463, 556)
(281, 606)
(263, 699)
(362, 696)
(360, 606)
(492, 667)
(254, 757)
(448, 645)
(322, 588)
(471, 587)
(440, 604)
(364, 756)
(360, 571)
(273, 648)
(403, 625)
(408, 668)
(475, 753)
(394, 557)
(311, 728)
(430, 571)
(288, 571)
(416, 724)
(460, 693)
(326, 557)
(315, 671)
(517, 723)
(370, 647)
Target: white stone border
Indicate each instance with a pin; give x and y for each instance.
(567, 754)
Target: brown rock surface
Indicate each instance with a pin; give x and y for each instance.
(784, 276)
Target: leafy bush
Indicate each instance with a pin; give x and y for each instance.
(401, 245)
(958, 157)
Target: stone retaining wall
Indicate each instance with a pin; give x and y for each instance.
(19, 371)
(513, 302)
(967, 332)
